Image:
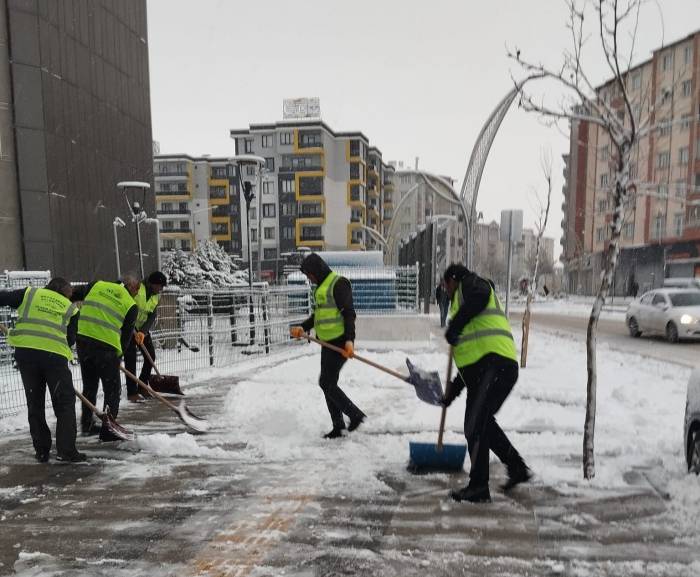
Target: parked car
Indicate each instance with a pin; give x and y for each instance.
(674, 313)
(692, 423)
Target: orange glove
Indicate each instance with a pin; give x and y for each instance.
(349, 350)
(138, 337)
(296, 332)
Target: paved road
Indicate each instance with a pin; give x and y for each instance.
(613, 332)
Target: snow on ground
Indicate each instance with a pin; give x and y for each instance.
(575, 307)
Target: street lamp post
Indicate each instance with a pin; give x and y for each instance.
(258, 162)
(138, 213)
(156, 222)
(117, 222)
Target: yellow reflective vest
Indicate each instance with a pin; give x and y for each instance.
(146, 305)
(488, 332)
(43, 322)
(103, 312)
(328, 322)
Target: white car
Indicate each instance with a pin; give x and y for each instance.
(674, 313)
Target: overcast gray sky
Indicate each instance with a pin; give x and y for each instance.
(418, 78)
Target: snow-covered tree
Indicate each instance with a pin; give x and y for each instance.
(207, 265)
(611, 108)
(540, 227)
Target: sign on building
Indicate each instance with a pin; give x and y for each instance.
(516, 217)
(295, 108)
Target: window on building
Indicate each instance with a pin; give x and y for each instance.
(697, 149)
(628, 230)
(664, 127)
(268, 187)
(600, 234)
(637, 81)
(250, 170)
(269, 210)
(168, 225)
(169, 244)
(286, 138)
(680, 188)
(288, 233)
(253, 214)
(683, 155)
(270, 164)
(270, 253)
(694, 216)
(605, 152)
(185, 245)
(253, 235)
(354, 148)
(663, 190)
(667, 61)
(269, 232)
(686, 119)
(354, 171)
(288, 208)
(663, 160)
(287, 186)
(633, 170)
(659, 227)
(602, 205)
(248, 145)
(603, 180)
(310, 139)
(678, 219)
(267, 140)
(254, 256)
(686, 87)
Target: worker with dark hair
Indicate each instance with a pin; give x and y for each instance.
(485, 355)
(147, 299)
(105, 328)
(333, 321)
(43, 336)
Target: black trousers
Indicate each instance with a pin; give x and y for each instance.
(39, 370)
(489, 382)
(444, 309)
(99, 364)
(130, 363)
(337, 401)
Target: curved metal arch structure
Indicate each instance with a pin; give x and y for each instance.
(477, 162)
(450, 196)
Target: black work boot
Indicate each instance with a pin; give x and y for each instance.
(106, 435)
(356, 421)
(42, 456)
(516, 475)
(335, 433)
(74, 457)
(472, 494)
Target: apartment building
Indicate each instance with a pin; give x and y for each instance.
(661, 230)
(321, 190)
(75, 119)
(194, 202)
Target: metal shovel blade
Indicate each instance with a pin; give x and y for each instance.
(115, 428)
(427, 384)
(194, 422)
(166, 385)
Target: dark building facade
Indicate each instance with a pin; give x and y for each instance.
(74, 120)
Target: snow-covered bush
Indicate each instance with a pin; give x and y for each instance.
(208, 265)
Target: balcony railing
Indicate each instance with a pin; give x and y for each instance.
(356, 218)
(313, 168)
(311, 237)
(175, 230)
(172, 173)
(217, 194)
(173, 211)
(310, 144)
(162, 192)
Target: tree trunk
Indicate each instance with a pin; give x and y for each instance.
(526, 332)
(621, 180)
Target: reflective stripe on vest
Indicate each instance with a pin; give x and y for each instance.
(146, 306)
(328, 321)
(103, 312)
(488, 332)
(43, 322)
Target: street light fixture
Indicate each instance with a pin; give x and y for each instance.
(138, 214)
(117, 222)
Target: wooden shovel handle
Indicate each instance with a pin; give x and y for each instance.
(88, 404)
(358, 357)
(444, 409)
(143, 385)
(146, 354)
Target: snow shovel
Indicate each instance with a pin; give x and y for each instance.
(107, 420)
(427, 384)
(190, 420)
(193, 348)
(429, 458)
(164, 384)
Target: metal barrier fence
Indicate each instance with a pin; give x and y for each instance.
(200, 328)
(196, 329)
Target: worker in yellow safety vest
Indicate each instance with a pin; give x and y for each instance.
(105, 328)
(485, 355)
(42, 337)
(147, 299)
(333, 321)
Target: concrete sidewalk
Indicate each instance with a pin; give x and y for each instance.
(126, 514)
